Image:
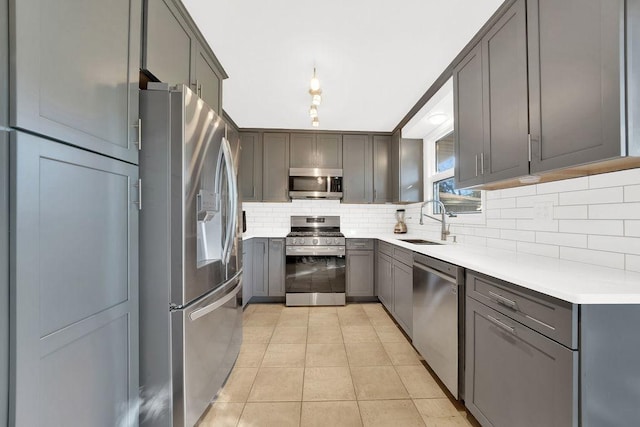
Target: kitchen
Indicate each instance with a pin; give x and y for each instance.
(550, 259)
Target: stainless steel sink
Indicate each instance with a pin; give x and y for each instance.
(420, 242)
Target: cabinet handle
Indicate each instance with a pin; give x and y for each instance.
(138, 185)
(200, 90)
(476, 165)
(482, 163)
(529, 146)
(504, 301)
(501, 325)
(253, 192)
(139, 141)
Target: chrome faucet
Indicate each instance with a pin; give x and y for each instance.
(445, 230)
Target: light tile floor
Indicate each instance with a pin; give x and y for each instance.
(329, 366)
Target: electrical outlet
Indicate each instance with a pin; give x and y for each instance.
(543, 211)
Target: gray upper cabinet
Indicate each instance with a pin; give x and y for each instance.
(4, 65)
(275, 167)
(358, 175)
(310, 150)
(75, 71)
(468, 125)
(175, 52)
(250, 166)
(75, 317)
(575, 59)
(276, 267)
(381, 169)
(4, 277)
(168, 43)
(506, 118)
(406, 169)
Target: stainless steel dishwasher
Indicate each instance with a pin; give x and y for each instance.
(438, 323)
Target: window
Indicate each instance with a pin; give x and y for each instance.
(455, 200)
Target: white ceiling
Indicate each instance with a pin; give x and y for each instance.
(375, 58)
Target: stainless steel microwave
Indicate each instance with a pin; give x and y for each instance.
(315, 183)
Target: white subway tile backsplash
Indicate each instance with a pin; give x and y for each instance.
(597, 196)
(615, 211)
(632, 263)
(592, 226)
(537, 225)
(494, 194)
(605, 259)
(516, 213)
(632, 228)
(615, 179)
(501, 203)
(527, 190)
(562, 239)
(522, 236)
(632, 193)
(538, 249)
(501, 223)
(627, 245)
(573, 184)
(527, 202)
(571, 212)
(508, 245)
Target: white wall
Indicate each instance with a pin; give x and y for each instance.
(593, 219)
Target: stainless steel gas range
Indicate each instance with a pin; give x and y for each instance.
(315, 271)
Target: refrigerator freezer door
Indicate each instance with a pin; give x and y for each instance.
(206, 342)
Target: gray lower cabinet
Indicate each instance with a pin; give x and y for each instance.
(74, 287)
(394, 279)
(175, 52)
(247, 271)
(358, 175)
(275, 167)
(516, 376)
(260, 267)
(360, 268)
(75, 73)
(384, 280)
(403, 295)
(4, 277)
(406, 169)
(250, 171)
(276, 267)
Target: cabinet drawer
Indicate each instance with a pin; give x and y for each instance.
(366, 244)
(403, 255)
(385, 248)
(550, 316)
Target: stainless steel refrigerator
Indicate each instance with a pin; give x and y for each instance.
(190, 255)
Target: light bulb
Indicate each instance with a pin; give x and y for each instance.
(315, 122)
(313, 111)
(437, 118)
(316, 99)
(315, 83)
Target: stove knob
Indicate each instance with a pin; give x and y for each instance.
(315, 241)
(336, 241)
(295, 241)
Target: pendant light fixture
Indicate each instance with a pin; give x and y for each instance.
(316, 98)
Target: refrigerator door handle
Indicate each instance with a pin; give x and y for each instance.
(218, 303)
(225, 157)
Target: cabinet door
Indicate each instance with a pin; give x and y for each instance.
(303, 151)
(357, 176)
(247, 274)
(360, 273)
(516, 376)
(4, 66)
(468, 125)
(403, 295)
(75, 73)
(208, 82)
(381, 169)
(506, 104)
(276, 267)
(275, 182)
(167, 43)
(575, 51)
(329, 151)
(394, 167)
(260, 267)
(4, 275)
(385, 280)
(250, 167)
(411, 168)
(75, 314)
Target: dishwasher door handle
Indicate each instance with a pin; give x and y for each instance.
(440, 274)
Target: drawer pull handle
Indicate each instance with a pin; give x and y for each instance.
(540, 322)
(504, 301)
(501, 325)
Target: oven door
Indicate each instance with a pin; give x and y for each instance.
(315, 270)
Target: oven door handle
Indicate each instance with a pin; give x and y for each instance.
(315, 251)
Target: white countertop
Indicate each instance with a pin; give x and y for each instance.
(571, 281)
